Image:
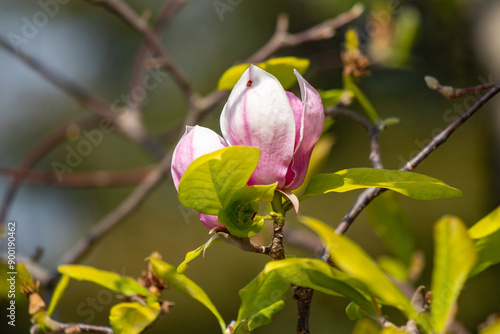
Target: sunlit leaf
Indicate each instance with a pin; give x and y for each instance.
(132, 318)
(58, 293)
(493, 328)
(393, 267)
(260, 300)
(238, 214)
(351, 40)
(282, 68)
(454, 257)
(23, 276)
(410, 184)
(212, 179)
(354, 312)
(190, 256)
(350, 258)
(180, 282)
(486, 226)
(393, 330)
(333, 97)
(123, 285)
(387, 217)
(366, 326)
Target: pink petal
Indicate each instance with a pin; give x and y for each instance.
(195, 142)
(210, 221)
(258, 114)
(311, 127)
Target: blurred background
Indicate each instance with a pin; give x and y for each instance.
(457, 41)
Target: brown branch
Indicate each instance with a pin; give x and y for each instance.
(152, 179)
(372, 130)
(368, 195)
(122, 10)
(451, 92)
(144, 55)
(80, 179)
(73, 328)
(282, 38)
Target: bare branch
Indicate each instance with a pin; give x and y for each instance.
(73, 328)
(451, 92)
(368, 195)
(372, 130)
(122, 10)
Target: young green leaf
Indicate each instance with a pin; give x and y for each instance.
(332, 97)
(318, 275)
(260, 300)
(410, 184)
(486, 226)
(190, 256)
(212, 179)
(366, 326)
(132, 318)
(123, 285)
(180, 282)
(387, 217)
(393, 267)
(350, 258)
(282, 68)
(23, 276)
(361, 97)
(454, 257)
(487, 243)
(238, 214)
(493, 328)
(58, 293)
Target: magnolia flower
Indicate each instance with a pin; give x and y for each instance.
(260, 113)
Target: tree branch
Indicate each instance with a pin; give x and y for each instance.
(368, 195)
(73, 328)
(451, 92)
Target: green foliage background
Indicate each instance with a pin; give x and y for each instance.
(98, 50)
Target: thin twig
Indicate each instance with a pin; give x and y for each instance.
(325, 30)
(122, 10)
(451, 92)
(373, 131)
(152, 179)
(368, 195)
(73, 328)
(145, 53)
(104, 178)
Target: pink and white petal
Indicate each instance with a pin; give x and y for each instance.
(259, 114)
(298, 113)
(312, 126)
(210, 221)
(195, 142)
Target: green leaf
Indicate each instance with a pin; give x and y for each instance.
(282, 68)
(354, 312)
(23, 276)
(351, 259)
(260, 300)
(387, 217)
(351, 40)
(238, 214)
(318, 275)
(487, 243)
(212, 179)
(493, 328)
(132, 318)
(190, 256)
(123, 285)
(487, 252)
(486, 226)
(58, 293)
(366, 326)
(410, 184)
(361, 97)
(393, 267)
(321, 184)
(333, 97)
(180, 282)
(454, 257)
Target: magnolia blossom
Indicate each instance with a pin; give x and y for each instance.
(260, 113)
